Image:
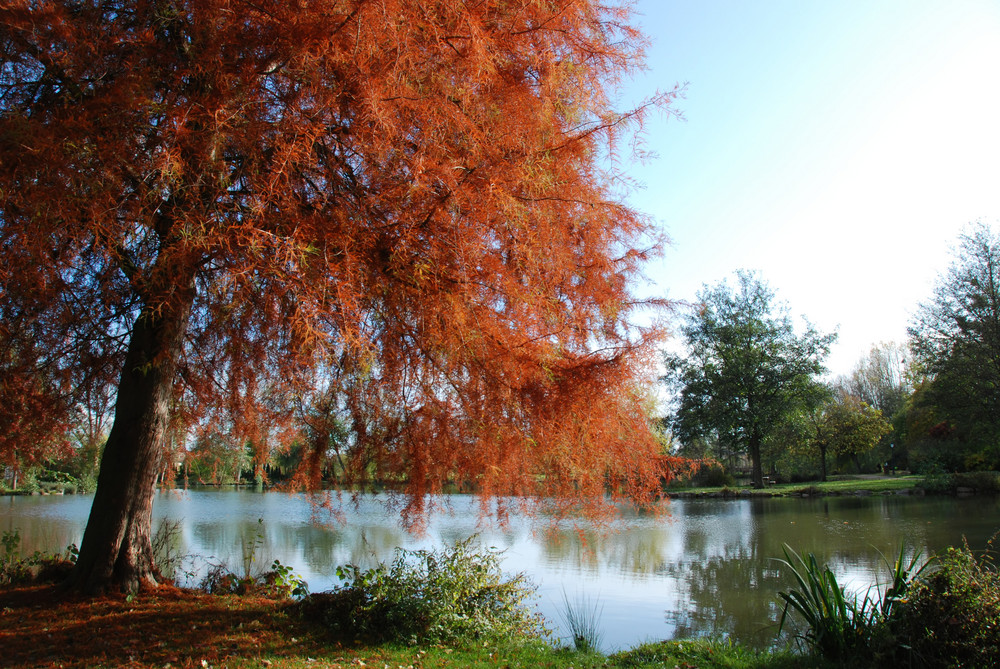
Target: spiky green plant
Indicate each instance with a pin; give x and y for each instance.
(832, 626)
(904, 571)
(583, 618)
(838, 624)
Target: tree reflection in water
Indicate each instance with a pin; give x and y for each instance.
(704, 568)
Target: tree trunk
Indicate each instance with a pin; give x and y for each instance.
(116, 551)
(822, 463)
(758, 472)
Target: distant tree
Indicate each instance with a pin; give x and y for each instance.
(844, 426)
(745, 368)
(955, 341)
(214, 459)
(880, 379)
(217, 197)
(883, 380)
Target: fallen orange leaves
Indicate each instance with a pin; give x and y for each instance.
(42, 626)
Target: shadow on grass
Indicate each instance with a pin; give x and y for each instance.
(42, 626)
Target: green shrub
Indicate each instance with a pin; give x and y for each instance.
(13, 568)
(279, 582)
(984, 483)
(952, 617)
(938, 483)
(443, 596)
(713, 476)
(941, 483)
(28, 482)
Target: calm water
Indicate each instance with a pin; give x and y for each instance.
(703, 569)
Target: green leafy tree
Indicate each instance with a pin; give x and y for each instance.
(746, 368)
(215, 460)
(883, 380)
(955, 341)
(845, 426)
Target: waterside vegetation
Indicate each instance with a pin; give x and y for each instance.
(455, 607)
(40, 627)
(961, 483)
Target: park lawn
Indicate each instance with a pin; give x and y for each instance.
(838, 487)
(875, 485)
(169, 627)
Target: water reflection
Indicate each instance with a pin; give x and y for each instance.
(705, 568)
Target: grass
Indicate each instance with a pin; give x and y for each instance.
(168, 627)
(712, 654)
(837, 487)
(890, 484)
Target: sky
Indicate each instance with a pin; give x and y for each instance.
(838, 148)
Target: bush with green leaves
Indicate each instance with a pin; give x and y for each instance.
(713, 476)
(951, 618)
(984, 483)
(278, 582)
(937, 482)
(941, 483)
(443, 596)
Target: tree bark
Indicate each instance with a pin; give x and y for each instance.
(758, 471)
(116, 552)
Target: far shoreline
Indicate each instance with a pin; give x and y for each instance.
(903, 484)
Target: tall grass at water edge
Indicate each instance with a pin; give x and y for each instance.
(838, 624)
(583, 617)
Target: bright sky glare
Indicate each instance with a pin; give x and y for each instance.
(839, 148)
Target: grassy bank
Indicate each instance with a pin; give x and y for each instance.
(910, 484)
(168, 627)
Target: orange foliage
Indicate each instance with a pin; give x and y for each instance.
(35, 398)
(412, 203)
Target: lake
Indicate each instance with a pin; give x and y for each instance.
(703, 568)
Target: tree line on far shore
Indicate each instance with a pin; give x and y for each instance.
(749, 393)
(749, 398)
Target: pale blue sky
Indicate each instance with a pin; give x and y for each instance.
(837, 147)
